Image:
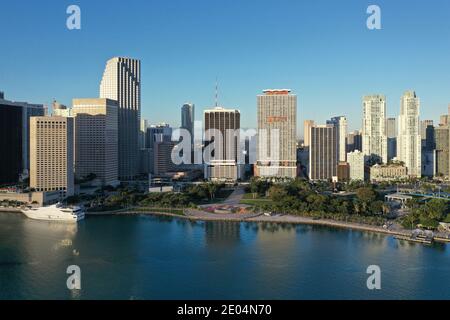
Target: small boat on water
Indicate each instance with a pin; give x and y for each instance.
(56, 212)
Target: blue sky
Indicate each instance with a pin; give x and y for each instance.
(320, 49)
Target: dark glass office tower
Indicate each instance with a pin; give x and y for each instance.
(10, 143)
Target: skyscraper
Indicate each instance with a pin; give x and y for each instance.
(374, 137)
(187, 123)
(15, 139)
(51, 154)
(341, 124)
(162, 157)
(226, 162)
(427, 134)
(10, 143)
(188, 119)
(391, 133)
(143, 133)
(307, 124)
(122, 82)
(442, 143)
(277, 131)
(324, 152)
(409, 144)
(354, 141)
(158, 133)
(96, 140)
(423, 128)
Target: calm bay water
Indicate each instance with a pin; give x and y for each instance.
(145, 257)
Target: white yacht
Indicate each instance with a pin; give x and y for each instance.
(55, 212)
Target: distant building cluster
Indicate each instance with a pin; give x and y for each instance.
(385, 149)
(103, 141)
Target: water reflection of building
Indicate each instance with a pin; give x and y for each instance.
(222, 233)
(40, 253)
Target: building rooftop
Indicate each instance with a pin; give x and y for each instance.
(221, 109)
(276, 91)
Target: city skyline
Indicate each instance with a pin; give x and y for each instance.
(326, 75)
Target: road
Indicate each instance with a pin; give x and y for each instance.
(235, 198)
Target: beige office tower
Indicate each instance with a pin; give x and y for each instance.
(51, 154)
(96, 140)
(324, 152)
(409, 143)
(307, 124)
(226, 163)
(374, 138)
(277, 131)
(122, 82)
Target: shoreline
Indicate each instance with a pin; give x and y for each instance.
(196, 215)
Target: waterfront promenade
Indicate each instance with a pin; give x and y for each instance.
(199, 215)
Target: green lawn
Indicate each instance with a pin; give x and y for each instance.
(249, 196)
(248, 200)
(179, 212)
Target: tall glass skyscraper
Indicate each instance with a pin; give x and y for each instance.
(188, 119)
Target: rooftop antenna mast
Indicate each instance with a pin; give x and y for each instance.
(217, 94)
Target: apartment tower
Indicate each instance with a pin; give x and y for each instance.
(277, 134)
(409, 144)
(374, 138)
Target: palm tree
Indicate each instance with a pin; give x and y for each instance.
(212, 189)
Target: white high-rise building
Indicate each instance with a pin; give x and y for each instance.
(277, 134)
(122, 82)
(356, 161)
(341, 125)
(409, 141)
(374, 139)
